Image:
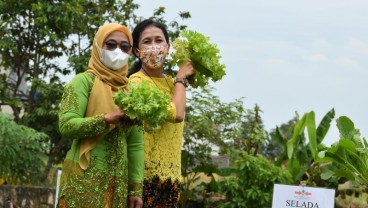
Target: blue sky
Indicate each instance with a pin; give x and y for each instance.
(286, 56)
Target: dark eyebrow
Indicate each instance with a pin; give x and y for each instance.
(147, 38)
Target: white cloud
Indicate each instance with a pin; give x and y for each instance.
(316, 58)
(321, 44)
(347, 64)
(358, 46)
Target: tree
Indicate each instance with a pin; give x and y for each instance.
(254, 136)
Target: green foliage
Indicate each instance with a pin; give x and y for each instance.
(44, 118)
(275, 148)
(301, 155)
(308, 121)
(251, 182)
(21, 153)
(349, 154)
(206, 57)
(46, 107)
(254, 134)
(143, 102)
(208, 123)
(296, 153)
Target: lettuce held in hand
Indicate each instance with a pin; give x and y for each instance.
(143, 102)
(196, 47)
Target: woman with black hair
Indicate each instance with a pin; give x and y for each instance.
(162, 147)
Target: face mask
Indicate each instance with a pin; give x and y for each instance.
(153, 56)
(115, 59)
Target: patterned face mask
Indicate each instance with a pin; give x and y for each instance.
(153, 56)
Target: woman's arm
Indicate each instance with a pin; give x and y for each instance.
(179, 97)
(72, 123)
(135, 146)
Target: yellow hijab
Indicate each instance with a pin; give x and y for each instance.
(113, 78)
(107, 81)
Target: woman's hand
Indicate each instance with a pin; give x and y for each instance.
(186, 70)
(114, 116)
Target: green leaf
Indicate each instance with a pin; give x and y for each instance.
(311, 128)
(345, 173)
(294, 142)
(290, 148)
(345, 126)
(324, 125)
(326, 174)
(144, 102)
(194, 46)
(294, 168)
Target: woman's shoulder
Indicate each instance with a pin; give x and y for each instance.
(84, 78)
(138, 74)
(137, 77)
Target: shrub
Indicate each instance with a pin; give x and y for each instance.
(251, 182)
(21, 152)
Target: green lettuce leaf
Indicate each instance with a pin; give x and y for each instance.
(205, 56)
(143, 102)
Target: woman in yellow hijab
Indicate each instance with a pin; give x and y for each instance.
(96, 172)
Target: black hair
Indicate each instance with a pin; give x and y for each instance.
(136, 34)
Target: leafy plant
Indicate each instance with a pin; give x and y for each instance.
(209, 123)
(143, 102)
(251, 182)
(350, 154)
(298, 151)
(300, 154)
(21, 153)
(196, 47)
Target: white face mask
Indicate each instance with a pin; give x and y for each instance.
(115, 59)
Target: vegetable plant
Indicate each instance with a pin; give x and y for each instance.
(194, 46)
(349, 154)
(251, 182)
(144, 103)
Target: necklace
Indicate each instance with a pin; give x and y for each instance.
(164, 76)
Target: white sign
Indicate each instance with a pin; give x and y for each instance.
(287, 196)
